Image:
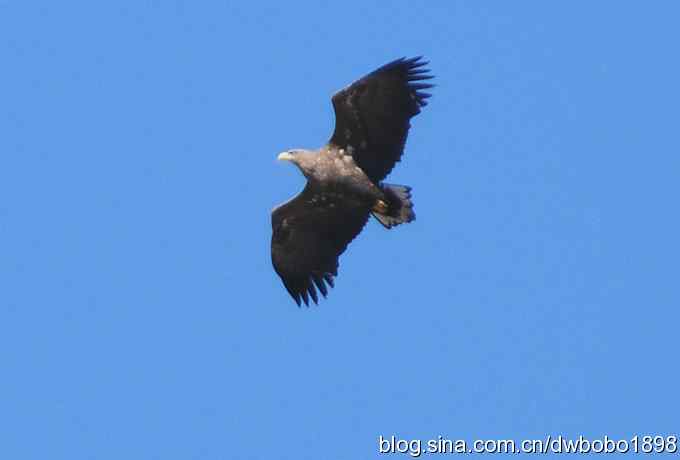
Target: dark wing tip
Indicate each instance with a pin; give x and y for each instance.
(412, 70)
(312, 293)
(408, 71)
(305, 290)
(418, 86)
(318, 280)
(415, 75)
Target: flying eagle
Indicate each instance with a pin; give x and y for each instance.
(344, 178)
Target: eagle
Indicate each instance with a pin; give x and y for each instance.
(345, 178)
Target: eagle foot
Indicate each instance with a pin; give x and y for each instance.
(380, 207)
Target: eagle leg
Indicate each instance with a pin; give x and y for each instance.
(380, 207)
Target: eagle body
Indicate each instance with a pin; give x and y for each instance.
(344, 178)
(333, 171)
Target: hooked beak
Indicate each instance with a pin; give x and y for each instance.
(285, 156)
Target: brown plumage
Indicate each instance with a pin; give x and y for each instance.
(344, 178)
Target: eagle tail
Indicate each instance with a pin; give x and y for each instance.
(399, 208)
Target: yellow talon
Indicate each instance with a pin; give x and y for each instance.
(380, 207)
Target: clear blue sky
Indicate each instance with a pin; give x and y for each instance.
(140, 318)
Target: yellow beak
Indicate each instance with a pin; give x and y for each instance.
(285, 156)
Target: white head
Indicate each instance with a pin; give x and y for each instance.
(303, 159)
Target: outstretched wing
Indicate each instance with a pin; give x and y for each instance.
(308, 235)
(372, 114)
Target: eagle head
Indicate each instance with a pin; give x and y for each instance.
(303, 159)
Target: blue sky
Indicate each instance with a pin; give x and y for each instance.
(537, 293)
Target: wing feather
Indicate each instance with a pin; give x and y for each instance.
(372, 114)
(308, 235)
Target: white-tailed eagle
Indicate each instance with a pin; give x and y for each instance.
(344, 178)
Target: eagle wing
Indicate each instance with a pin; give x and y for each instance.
(309, 233)
(372, 114)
